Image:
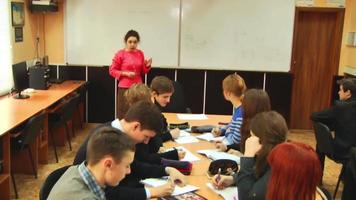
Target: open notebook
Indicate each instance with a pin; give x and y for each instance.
(214, 154)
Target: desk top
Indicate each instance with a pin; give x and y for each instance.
(198, 176)
(16, 111)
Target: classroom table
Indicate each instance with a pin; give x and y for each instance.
(17, 111)
(198, 176)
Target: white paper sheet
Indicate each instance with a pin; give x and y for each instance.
(192, 116)
(210, 137)
(214, 154)
(183, 133)
(189, 156)
(229, 193)
(186, 140)
(156, 182)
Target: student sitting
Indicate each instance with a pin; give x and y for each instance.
(267, 130)
(144, 153)
(341, 118)
(254, 102)
(295, 173)
(161, 91)
(141, 122)
(109, 155)
(233, 89)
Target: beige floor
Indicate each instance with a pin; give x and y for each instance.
(28, 186)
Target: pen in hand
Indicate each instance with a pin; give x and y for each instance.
(219, 176)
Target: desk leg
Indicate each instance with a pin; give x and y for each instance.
(5, 175)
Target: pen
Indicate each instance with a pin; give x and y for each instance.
(218, 177)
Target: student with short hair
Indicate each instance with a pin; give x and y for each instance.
(340, 118)
(233, 88)
(254, 102)
(141, 122)
(144, 153)
(161, 92)
(267, 130)
(109, 155)
(295, 173)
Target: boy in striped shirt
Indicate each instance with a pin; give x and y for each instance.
(233, 88)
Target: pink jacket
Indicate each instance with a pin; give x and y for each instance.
(133, 61)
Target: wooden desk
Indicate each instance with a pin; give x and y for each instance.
(15, 112)
(198, 176)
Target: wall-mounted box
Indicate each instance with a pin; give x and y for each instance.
(351, 39)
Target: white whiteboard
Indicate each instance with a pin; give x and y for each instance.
(95, 30)
(251, 35)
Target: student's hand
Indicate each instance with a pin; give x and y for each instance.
(181, 154)
(234, 152)
(221, 181)
(220, 146)
(175, 133)
(161, 191)
(252, 146)
(161, 150)
(176, 177)
(148, 62)
(216, 132)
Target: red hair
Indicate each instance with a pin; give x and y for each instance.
(296, 172)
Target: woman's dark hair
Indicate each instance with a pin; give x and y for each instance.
(132, 33)
(254, 101)
(271, 128)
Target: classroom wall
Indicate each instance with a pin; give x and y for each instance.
(54, 32)
(348, 52)
(26, 50)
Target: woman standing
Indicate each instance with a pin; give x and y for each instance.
(128, 66)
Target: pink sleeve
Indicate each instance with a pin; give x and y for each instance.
(145, 68)
(115, 68)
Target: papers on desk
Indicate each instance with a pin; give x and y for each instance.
(214, 154)
(156, 182)
(229, 193)
(183, 133)
(210, 138)
(189, 156)
(192, 116)
(186, 140)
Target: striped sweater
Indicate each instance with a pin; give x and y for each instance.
(232, 130)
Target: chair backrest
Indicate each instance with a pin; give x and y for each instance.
(50, 181)
(323, 138)
(178, 101)
(33, 128)
(69, 108)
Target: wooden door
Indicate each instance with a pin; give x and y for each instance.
(315, 60)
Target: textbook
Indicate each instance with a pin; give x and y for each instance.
(214, 154)
(189, 195)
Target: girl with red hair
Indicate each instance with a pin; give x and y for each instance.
(295, 173)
